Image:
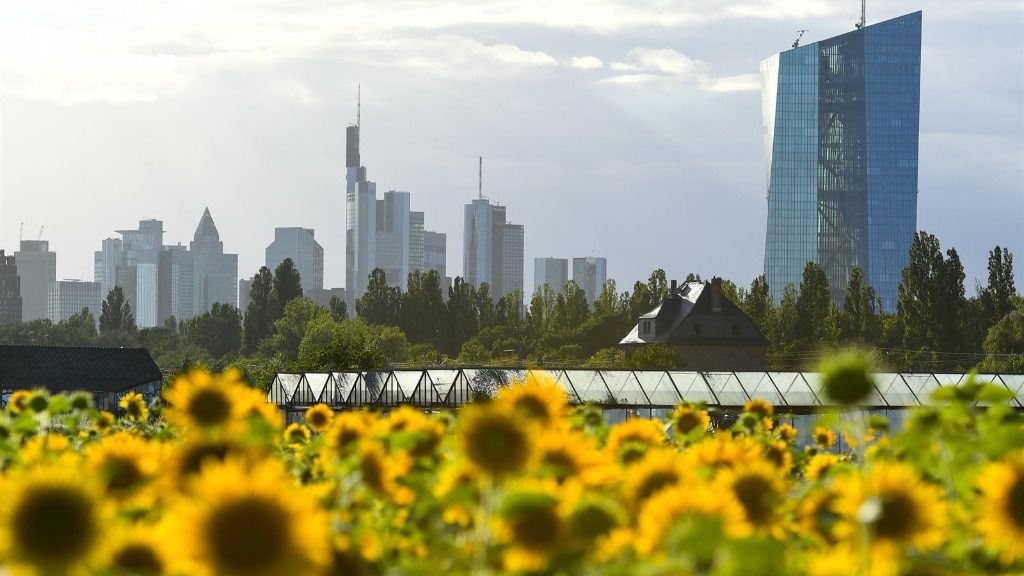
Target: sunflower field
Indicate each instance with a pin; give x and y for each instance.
(209, 480)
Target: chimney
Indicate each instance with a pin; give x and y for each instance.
(716, 294)
(674, 291)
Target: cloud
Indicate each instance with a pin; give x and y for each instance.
(738, 83)
(644, 65)
(511, 54)
(664, 61)
(585, 63)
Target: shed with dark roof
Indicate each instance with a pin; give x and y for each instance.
(108, 373)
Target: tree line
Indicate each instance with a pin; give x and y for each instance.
(935, 327)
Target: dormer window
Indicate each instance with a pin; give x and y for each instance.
(646, 327)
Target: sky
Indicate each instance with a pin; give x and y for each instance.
(629, 129)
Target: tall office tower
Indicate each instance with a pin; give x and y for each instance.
(360, 220)
(513, 261)
(841, 123)
(393, 229)
(37, 268)
(177, 284)
(477, 237)
(244, 285)
(10, 291)
(551, 271)
(105, 264)
(590, 274)
(416, 246)
(301, 246)
(69, 297)
(435, 253)
(138, 271)
(215, 273)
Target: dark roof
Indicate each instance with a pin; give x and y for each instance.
(61, 368)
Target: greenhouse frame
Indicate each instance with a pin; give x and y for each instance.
(634, 390)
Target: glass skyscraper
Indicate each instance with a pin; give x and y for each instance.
(841, 140)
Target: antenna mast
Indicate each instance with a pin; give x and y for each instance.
(359, 90)
(480, 182)
(800, 34)
(863, 14)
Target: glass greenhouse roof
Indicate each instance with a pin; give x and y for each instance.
(799, 391)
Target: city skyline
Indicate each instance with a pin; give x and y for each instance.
(630, 126)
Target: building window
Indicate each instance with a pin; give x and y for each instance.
(696, 329)
(647, 327)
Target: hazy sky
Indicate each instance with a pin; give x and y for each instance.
(615, 128)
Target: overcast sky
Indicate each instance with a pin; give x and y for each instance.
(615, 128)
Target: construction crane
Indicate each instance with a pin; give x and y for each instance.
(800, 34)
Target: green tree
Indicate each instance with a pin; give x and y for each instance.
(473, 352)
(654, 357)
(461, 322)
(931, 303)
(78, 330)
(815, 321)
(786, 326)
(290, 328)
(484, 302)
(608, 303)
(338, 309)
(381, 304)
(859, 320)
(997, 296)
(422, 307)
(609, 358)
(219, 330)
(657, 285)
(1005, 344)
(757, 303)
(116, 315)
(258, 320)
(571, 309)
(287, 287)
(339, 346)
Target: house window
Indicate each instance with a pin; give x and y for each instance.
(696, 329)
(735, 329)
(647, 327)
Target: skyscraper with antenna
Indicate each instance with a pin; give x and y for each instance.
(492, 247)
(360, 214)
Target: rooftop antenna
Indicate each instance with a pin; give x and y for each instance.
(21, 232)
(41, 228)
(800, 34)
(480, 182)
(863, 14)
(359, 91)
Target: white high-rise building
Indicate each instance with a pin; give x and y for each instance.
(435, 253)
(360, 221)
(553, 272)
(37, 268)
(392, 243)
(417, 258)
(301, 246)
(215, 273)
(512, 262)
(105, 264)
(69, 297)
(590, 273)
(138, 272)
(493, 249)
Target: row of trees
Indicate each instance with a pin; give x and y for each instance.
(935, 326)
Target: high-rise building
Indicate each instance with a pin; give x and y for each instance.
(360, 220)
(69, 297)
(416, 246)
(215, 273)
(177, 284)
(138, 271)
(37, 268)
(393, 228)
(553, 272)
(513, 261)
(841, 120)
(244, 286)
(10, 291)
(435, 253)
(105, 264)
(301, 246)
(589, 274)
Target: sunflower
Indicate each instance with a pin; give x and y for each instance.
(573, 456)
(134, 406)
(189, 457)
(538, 399)
(658, 470)
(530, 520)
(345, 432)
(296, 434)
(824, 438)
(688, 418)
(252, 521)
(206, 401)
(103, 422)
(895, 506)
(723, 451)
(678, 504)
(319, 417)
(140, 550)
(759, 406)
(494, 438)
(18, 402)
(124, 464)
(593, 518)
(412, 431)
(49, 518)
(819, 465)
(818, 516)
(758, 488)
(1001, 510)
(628, 441)
(47, 448)
(779, 453)
(380, 472)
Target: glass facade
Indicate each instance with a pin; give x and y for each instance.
(841, 141)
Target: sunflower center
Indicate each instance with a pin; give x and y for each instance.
(497, 445)
(194, 458)
(53, 525)
(687, 422)
(318, 419)
(373, 472)
(247, 535)
(123, 474)
(655, 482)
(536, 528)
(822, 440)
(209, 408)
(1015, 502)
(561, 464)
(776, 456)
(533, 407)
(591, 521)
(345, 436)
(134, 409)
(897, 518)
(297, 434)
(138, 559)
(755, 495)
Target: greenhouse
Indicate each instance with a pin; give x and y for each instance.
(635, 390)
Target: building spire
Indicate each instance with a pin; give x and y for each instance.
(480, 181)
(359, 90)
